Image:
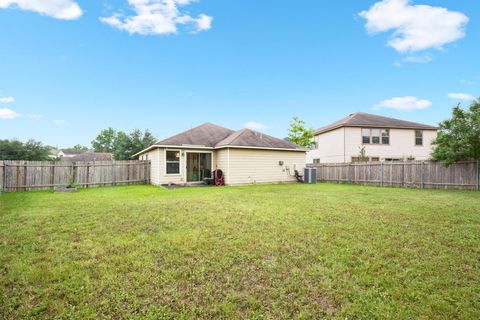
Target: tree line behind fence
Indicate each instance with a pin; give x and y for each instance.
(42, 175)
(409, 174)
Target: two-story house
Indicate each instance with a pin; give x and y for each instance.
(384, 139)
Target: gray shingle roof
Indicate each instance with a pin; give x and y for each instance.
(250, 138)
(361, 119)
(72, 151)
(214, 136)
(92, 156)
(206, 135)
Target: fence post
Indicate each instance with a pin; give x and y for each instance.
(146, 172)
(478, 175)
(381, 174)
(4, 176)
(349, 178)
(113, 173)
(52, 174)
(74, 175)
(422, 175)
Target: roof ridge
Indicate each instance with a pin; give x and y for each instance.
(194, 128)
(369, 119)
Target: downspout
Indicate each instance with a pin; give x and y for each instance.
(344, 149)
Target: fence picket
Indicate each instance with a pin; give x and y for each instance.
(418, 174)
(36, 175)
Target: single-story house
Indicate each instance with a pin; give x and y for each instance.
(91, 155)
(384, 139)
(65, 153)
(245, 157)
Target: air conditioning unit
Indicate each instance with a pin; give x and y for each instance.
(310, 175)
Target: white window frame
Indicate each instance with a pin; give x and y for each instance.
(179, 162)
(371, 136)
(422, 137)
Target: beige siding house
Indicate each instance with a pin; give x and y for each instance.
(245, 157)
(384, 139)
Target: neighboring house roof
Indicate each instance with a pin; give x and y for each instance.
(71, 152)
(361, 119)
(92, 156)
(213, 136)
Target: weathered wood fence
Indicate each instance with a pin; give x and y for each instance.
(409, 174)
(42, 175)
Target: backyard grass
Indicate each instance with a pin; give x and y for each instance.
(258, 252)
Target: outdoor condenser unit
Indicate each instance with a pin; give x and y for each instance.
(310, 175)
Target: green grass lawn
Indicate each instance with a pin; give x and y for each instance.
(260, 252)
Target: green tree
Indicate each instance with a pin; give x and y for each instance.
(29, 151)
(123, 145)
(459, 137)
(80, 147)
(128, 145)
(299, 134)
(105, 141)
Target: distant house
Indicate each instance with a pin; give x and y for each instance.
(91, 155)
(384, 139)
(80, 155)
(68, 153)
(245, 157)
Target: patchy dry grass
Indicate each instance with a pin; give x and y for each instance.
(264, 252)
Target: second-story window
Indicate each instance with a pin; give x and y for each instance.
(385, 136)
(375, 136)
(418, 137)
(365, 136)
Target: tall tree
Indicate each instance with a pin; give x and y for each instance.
(105, 141)
(123, 145)
(80, 147)
(299, 134)
(29, 151)
(459, 137)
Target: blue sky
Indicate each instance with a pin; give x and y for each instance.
(69, 68)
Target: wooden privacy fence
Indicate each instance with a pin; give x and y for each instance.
(41, 175)
(410, 174)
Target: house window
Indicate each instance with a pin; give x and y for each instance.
(418, 137)
(355, 159)
(173, 162)
(365, 136)
(385, 136)
(316, 161)
(375, 136)
(375, 159)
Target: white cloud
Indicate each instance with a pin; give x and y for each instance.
(59, 122)
(155, 17)
(59, 9)
(6, 113)
(34, 116)
(255, 125)
(415, 27)
(403, 104)
(7, 99)
(461, 96)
